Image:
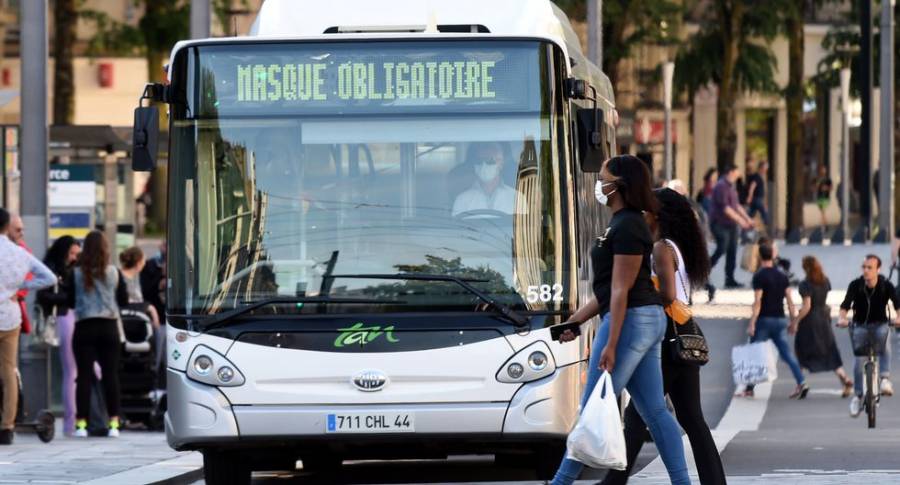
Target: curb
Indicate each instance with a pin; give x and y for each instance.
(182, 470)
(182, 479)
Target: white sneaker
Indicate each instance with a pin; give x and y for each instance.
(886, 388)
(855, 407)
(113, 433)
(80, 433)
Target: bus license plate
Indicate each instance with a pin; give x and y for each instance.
(370, 423)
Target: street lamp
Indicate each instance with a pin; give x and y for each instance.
(668, 72)
(845, 154)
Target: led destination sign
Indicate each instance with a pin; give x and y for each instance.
(471, 80)
(369, 77)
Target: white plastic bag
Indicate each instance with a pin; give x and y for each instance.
(598, 440)
(754, 363)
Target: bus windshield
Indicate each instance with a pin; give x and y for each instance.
(293, 164)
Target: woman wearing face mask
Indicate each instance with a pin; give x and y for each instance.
(61, 258)
(628, 341)
(681, 262)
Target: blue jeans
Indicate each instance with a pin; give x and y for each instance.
(638, 369)
(880, 332)
(726, 244)
(775, 329)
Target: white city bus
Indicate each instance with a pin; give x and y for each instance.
(376, 210)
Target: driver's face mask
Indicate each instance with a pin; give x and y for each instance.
(487, 170)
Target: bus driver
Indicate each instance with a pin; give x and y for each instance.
(489, 192)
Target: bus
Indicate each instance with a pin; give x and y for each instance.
(376, 210)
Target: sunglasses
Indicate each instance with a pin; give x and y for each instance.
(868, 267)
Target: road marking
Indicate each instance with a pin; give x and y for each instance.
(743, 414)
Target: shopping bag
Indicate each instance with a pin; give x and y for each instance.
(754, 363)
(750, 257)
(597, 439)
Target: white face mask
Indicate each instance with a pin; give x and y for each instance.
(602, 198)
(487, 172)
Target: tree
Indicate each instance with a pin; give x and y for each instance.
(627, 24)
(65, 16)
(794, 12)
(731, 50)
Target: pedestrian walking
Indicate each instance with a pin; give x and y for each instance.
(704, 196)
(814, 344)
(628, 341)
(15, 265)
(771, 288)
(61, 258)
(96, 291)
(680, 262)
(756, 194)
(726, 218)
(868, 297)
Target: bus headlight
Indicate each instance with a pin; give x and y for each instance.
(537, 361)
(529, 364)
(202, 365)
(212, 368)
(515, 370)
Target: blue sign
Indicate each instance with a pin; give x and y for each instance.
(70, 219)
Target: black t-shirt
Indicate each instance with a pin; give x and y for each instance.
(759, 192)
(823, 189)
(869, 305)
(627, 234)
(772, 282)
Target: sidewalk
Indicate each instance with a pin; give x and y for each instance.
(137, 457)
(841, 263)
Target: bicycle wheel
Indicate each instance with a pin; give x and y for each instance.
(871, 404)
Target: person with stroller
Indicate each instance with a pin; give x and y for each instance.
(96, 290)
(61, 259)
(868, 297)
(15, 264)
(133, 262)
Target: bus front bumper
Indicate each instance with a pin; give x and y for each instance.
(200, 416)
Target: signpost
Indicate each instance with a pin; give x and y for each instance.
(72, 198)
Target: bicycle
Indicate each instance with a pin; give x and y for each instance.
(869, 346)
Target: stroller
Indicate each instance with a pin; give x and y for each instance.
(142, 400)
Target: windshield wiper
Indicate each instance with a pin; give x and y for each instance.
(503, 309)
(217, 319)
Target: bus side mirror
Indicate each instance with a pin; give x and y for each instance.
(145, 139)
(593, 143)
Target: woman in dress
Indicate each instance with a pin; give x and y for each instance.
(628, 341)
(815, 345)
(680, 262)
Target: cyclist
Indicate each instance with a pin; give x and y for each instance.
(868, 297)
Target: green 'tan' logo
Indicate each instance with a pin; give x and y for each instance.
(360, 334)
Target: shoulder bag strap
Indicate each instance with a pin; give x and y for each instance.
(687, 288)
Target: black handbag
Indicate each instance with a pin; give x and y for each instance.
(688, 345)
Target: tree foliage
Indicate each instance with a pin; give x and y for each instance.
(731, 50)
(628, 24)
